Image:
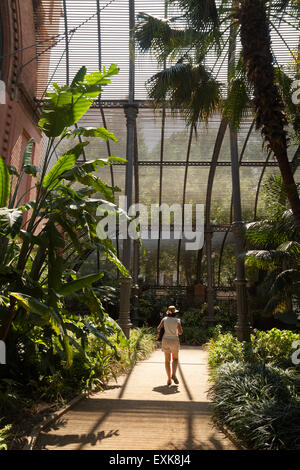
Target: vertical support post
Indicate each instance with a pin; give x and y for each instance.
(99, 34)
(131, 112)
(162, 143)
(243, 325)
(131, 50)
(136, 247)
(67, 43)
(210, 290)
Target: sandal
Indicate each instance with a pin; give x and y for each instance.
(176, 381)
(169, 383)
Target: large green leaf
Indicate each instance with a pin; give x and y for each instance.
(99, 335)
(94, 303)
(27, 157)
(10, 221)
(73, 286)
(66, 105)
(91, 166)
(94, 132)
(97, 184)
(31, 303)
(79, 77)
(64, 163)
(4, 183)
(106, 247)
(34, 305)
(27, 166)
(115, 260)
(68, 350)
(121, 336)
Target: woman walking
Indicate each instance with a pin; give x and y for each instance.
(170, 341)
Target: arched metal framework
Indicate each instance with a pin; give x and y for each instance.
(101, 32)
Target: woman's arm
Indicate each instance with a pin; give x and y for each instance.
(160, 325)
(179, 327)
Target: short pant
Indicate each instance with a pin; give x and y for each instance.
(170, 345)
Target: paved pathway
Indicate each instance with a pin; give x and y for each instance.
(141, 412)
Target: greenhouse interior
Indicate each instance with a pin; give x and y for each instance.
(149, 183)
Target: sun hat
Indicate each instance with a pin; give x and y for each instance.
(172, 309)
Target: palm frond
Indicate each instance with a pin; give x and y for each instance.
(285, 281)
(151, 32)
(285, 6)
(237, 102)
(275, 196)
(190, 89)
(286, 224)
(291, 247)
(284, 286)
(158, 35)
(267, 260)
(285, 84)
(276, 304)
(200, 14)
(262, 234)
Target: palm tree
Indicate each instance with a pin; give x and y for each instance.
(275, 252)
(207, 22)
(268, 104)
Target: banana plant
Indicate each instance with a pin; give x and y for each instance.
(36, 273)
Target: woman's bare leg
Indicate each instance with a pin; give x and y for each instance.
(174, 365)
(168, 365)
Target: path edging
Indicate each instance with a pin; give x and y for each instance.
(32, 438)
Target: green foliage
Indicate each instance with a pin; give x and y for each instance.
(224, 348)
(259, 403)
(198, 335)
(274, 346)
(237, 102)
(50, 353)
(4, 434)
(196, 330)
(285, 83)
(274, 251)
(255, 391)
(266, 347)
(188, 88)
(66, 105)
(4, 183)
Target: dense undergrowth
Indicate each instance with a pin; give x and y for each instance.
(20, 403)
(256, 389)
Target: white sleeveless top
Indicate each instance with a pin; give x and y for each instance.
(170, 325)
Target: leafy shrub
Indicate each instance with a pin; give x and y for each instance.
(142, 342)
(198, 335)
(273, 346)
(224, 348)
(195, 317)
(4, 435)
(226, 316)
(196, 331)
(259, 403)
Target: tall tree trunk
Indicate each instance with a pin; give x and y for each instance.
(270, 118)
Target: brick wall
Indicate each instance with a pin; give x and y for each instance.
(20, 71)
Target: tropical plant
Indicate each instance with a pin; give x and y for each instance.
(259, 404)
(4, 434)
(211, 25)
(274, 347)
(275, 251)
(39, 253)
